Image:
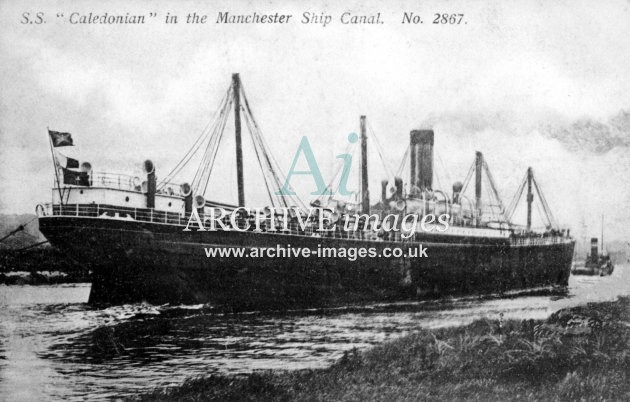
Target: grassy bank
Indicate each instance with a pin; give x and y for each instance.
(578, 353)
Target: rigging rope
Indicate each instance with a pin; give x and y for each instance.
(403, 163)
(544, 213)
(210, 139)
(437, 178)
(197, 144)
(540, 213)
(32, 245)
(207, 161)
(448, 176)
(211, 153)
(350, 149)
(379, 148)
(468, 177)
(272, 163)
(545, 205)
(515, 199)
(260, 161)
(18, 229)
(493, 187)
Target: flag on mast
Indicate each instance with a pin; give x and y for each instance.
(74, 177)
(65, 161)
(60, 139)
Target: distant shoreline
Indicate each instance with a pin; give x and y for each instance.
(40, 266)
(38, 278)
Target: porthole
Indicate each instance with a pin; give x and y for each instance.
(80, 191)
(127, 199)
(170, 203)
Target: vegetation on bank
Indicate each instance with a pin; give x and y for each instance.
(580, 353)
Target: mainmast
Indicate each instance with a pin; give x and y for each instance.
(478, 172)
(210, 141)
(236, 88)
(602, 233)
(530, 181)
(530, 197)
(365, 192)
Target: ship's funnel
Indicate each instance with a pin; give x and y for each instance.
(149, 168)
(594, 251)
(421, 144)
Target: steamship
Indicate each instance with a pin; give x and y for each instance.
(596, 263)
(130, 231)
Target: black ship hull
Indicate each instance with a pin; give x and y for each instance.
(159, 263)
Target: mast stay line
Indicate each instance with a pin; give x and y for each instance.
(211, 138)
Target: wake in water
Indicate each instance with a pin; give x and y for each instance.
(77, 350)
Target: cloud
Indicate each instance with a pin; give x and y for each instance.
(523, 91)
(594, 135)
(583, 134)
(581, 164)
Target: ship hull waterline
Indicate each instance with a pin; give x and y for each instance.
(136, 261)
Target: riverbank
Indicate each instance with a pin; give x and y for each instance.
(40, 266)
(577, 353)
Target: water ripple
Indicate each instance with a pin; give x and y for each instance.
(70, 350)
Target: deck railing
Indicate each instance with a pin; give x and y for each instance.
(311, 229)
(181, 219)
(128, 183)
(539, 240)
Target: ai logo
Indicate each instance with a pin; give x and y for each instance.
(305, 149)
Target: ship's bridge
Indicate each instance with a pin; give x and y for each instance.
(121, 190)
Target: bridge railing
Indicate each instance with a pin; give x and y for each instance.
(125, 182)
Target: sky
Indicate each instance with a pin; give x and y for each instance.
(528, 83)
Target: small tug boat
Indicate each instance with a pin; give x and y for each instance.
(596, 263)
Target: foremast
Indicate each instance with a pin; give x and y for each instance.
(208, 143)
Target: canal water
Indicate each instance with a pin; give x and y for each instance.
(53, 345)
